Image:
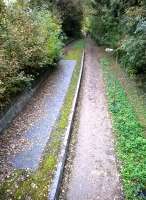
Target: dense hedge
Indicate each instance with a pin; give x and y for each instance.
(122, 25)
(31, 36)
(29, 41)
(70, 11)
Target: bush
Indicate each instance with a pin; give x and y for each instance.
(49, 36)
(105, 29)
(131, 50)
(122, 26)
(30, 41)
(132, 54)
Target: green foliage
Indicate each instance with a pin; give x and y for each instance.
(121, 25)
(104, 23)
(30, 40)
(130, 140)
(72, 17)
(131, 50)
(48, 36)
(70, 11)
(132, 53)
(105, 30)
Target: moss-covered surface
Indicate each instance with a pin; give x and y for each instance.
(130, 140)
(24, 184)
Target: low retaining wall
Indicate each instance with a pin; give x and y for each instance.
(19, 105)
(54, 191)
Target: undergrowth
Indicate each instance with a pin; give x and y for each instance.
(130, 140)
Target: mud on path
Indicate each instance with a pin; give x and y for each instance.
(91, 170)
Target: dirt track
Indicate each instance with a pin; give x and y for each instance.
(91, 171)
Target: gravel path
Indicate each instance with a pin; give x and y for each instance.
(91, 169)
(23, 143)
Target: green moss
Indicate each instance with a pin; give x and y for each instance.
(130, 140)
(36, 185)
(75, 52)
(80, 44)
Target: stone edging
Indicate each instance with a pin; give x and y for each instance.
(54, 191)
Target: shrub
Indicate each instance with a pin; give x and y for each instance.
(131, 50)
(30, 41)
(105, 29)
(49, 36)
(122, 25)
(132, 53)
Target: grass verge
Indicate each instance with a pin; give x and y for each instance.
(134, 88)
(130, 140)
(24, 184)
